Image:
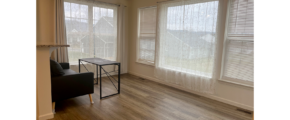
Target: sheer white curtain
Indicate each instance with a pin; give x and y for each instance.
(122, 48)
(92, 31)
(186, 43)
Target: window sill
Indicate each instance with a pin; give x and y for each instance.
(186, 72)
(146, 63)
(237, 83)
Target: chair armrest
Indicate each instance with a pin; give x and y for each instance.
(64, 65)
(69, 86)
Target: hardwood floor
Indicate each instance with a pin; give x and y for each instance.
(142, 99)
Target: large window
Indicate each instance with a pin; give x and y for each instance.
(187, 36)
(238, 63)
(91, 30)
(146, 36)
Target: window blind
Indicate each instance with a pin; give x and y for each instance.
(239, 50)
(241, 18)
(147, 33)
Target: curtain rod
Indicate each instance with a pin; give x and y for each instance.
(148, 7)
(165, 1)
(109, 3)
(101, 2)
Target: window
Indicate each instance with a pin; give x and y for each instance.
(186, 37)
(146, 36)
(238, 58)
(91, 30)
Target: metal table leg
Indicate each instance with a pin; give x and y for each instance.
(97, 74)
(100, 82)
(79, 66)
(108, 74)
(119, 69)
(119, 81)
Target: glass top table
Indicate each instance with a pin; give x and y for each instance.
(99, 62)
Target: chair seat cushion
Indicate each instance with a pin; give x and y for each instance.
(56, 69)
(69, 72)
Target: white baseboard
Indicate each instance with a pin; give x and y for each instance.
(250, 108)
(46, 116)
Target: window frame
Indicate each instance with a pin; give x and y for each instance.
(91, 23)
(138, 36)
(238, 82)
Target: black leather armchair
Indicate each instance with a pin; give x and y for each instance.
(71, 84)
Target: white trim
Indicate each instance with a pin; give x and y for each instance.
(224, 42)
(238, 83)
(138, 34)
(157, 33)
(250, 108)
(145, 63)
(46, 116)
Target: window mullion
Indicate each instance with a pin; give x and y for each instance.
(90, 31)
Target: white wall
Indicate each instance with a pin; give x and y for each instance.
(36, 100)
(36, 37)
(45, 32)
(45, 23)
(233, 94)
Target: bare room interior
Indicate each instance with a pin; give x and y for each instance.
(145, 59)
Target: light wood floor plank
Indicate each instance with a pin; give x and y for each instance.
(142, 99)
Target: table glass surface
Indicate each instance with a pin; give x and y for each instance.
(99, 61)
